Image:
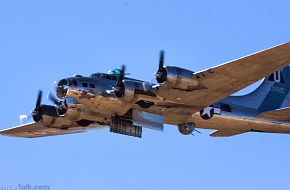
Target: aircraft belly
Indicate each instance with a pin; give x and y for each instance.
(107, 106)
(100, 104)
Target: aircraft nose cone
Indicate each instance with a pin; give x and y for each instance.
(62, 88)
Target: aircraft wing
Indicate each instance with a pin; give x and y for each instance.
(221, 81)
(282, 114)
(38, 129)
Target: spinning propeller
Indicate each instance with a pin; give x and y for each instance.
(60, 105)
(119, 88)
(161, 74)
(37, 112)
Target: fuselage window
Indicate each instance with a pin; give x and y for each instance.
(85, 84)
(74, 83)
(92, 86)
(109, 77)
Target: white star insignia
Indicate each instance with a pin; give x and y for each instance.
(206, 111)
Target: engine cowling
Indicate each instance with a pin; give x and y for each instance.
(127, 91)
(175, 77)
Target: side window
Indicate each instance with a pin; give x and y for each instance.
(74, 83)
(85, 84)
(92, 85)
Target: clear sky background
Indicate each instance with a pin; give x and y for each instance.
(44, 41)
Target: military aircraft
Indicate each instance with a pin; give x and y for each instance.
(180, 97)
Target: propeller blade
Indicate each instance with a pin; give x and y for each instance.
(54, 99)
(161, 60)
(161, 74)
(38, 101)
(122, 74)
(36, 113)
(61, 105)
(121, 77)
(119, 87)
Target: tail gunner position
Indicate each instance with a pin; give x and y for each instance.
(181, 97)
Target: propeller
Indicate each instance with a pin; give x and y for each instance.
(40, 109)
(37, 113)
(54, 99)
(122, 74)
(61, 105)
(161, 74)
(119, 88)
(161, 60)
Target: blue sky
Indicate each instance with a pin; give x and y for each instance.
(43, 41)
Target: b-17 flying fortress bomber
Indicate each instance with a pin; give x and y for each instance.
(180, 97)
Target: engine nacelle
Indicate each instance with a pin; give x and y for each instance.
(128, 91)
(175, 77)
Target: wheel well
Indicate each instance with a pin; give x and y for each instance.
(84, 122)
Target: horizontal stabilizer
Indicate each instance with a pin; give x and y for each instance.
(282, 114)
(221, 133)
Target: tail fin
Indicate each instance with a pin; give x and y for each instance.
(273, 93)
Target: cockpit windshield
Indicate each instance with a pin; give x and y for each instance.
(97, 75)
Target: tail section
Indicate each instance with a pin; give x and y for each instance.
(273, 93)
